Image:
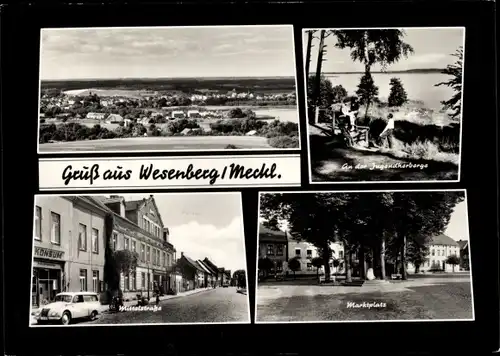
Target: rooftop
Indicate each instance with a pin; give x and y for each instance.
(269, 234)
(444, 240)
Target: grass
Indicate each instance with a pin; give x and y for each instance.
(446, 301)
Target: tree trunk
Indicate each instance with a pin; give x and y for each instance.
(417, 268)
(348, 274)
(317, 79)
(326, 261)
(362, 262)
(308, 55)
(382, 259)
(403, 259)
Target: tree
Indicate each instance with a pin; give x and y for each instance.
(240, 277)
(453, 260)
(326, 95)
(417, 254)
(236, 113)
(318, 263)
(111, 272)
(339, 93)
(397, 95)
(367, 91)
(454, 70)
(249, 114)
(294, 265)
(310, 37)
(336, 264)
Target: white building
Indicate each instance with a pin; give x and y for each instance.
(192, 114)
(440, 248)
(96, 115)
(178, 115)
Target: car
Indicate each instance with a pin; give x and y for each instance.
(69, 306)
(225, 284)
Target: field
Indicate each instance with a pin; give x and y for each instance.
(115, 87)
(158, 144)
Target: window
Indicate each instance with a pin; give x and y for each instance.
(90, 298)
(144, 221)
(148, 254)
(158, 258)
(309, 267)
(297, 252)
(38, 223)
(133, 281)
(134, 247)
(143, 248)
(82, 238)
(279, 266)
(83, 280)
(143, 280)
(95, 241)
(165, 259)
(279, 250)
(432, 252)
(114, 242)
(126, 243)
(55, 229)
(309, 253)
(270, 250)
(154, 257)
(95, 281)
(126, 283)
(341, 254)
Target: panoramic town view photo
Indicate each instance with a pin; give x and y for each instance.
(167, 89)
(134, 259)
(384, 104)
(363, 256)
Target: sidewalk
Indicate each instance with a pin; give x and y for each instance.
(104, 308)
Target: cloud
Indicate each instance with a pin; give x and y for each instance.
(429, 58)
(224, 246)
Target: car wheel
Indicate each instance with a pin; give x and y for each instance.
(66, 318)
(93, 315)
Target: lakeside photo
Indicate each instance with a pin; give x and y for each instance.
(363, 256)
(167, 89)
(384, 105)
(110, 260)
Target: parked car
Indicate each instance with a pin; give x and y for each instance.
(69, 306)
(225, 284)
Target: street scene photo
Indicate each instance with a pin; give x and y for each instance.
(167, 89)
(363, 256)
(384, 104)
(135, 259)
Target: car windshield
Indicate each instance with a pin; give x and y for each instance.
(63, 298)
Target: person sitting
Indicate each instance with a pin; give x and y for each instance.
(351, 111)
(385, 136)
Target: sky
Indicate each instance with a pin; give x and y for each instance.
(204, 225)
(223, 51)
(432, 49)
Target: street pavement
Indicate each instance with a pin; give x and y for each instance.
(219, 305)
(433, 297)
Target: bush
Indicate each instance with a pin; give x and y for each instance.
(230, 146)
(397, 96)
(284, 141)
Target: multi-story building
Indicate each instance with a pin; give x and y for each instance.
(273, 245)
(68, 247)
(440, 248)
(209, 278)
(138, 227)
(214, 269)
(192, 273)
(305, 252)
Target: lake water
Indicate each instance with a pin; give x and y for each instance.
(418, 86)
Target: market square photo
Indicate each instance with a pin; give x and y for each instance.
(143, 89)
(134, 259)
(384, 104)
(363, 257)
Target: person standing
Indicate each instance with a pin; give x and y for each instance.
(353, 111)
(386, 135)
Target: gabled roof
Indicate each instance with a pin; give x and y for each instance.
(192, 263)
(211, 266)
(463, 244)
(138, 204)
(444, 240)
(274, 235)
(205, 268)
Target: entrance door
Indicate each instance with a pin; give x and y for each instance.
(44, 291)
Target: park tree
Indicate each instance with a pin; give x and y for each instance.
(294, 265)
(453, 260)
(367, 91)
(265, 264)
(339, 93)
(236, 113)
(126, 261)
(318, 263)
(397, 95)
(310, 37)
(455, 71)
(417, 254)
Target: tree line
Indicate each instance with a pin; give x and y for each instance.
(379, 228)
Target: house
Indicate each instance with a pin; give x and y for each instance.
(68, 247)
(114, 118)
(273, 246)
(96, 115)
(222, 275)
(305, 252)
(464, 255)
(209, 277)
(192, 273)
(178, 115)
(193, 114)
(251, 133)
(138, 227)
(440, 248)
(213, 269)
(127, 122)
